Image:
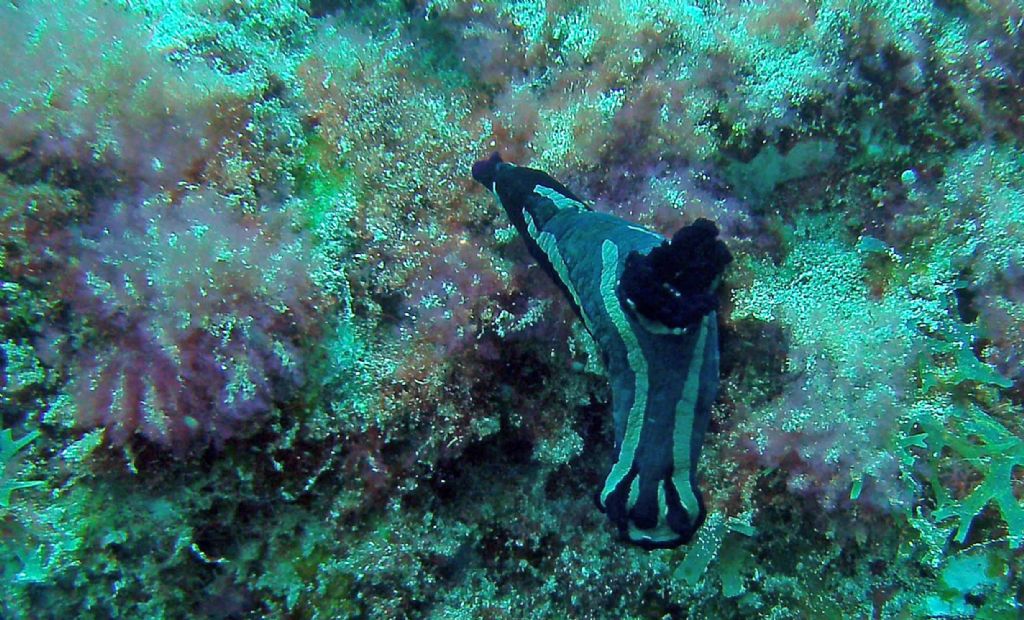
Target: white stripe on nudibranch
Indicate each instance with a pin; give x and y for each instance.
(650, 233)
(660, 533)
(561, 201)
(634, 493)
(549, 245)
(682, 459)
(637, 363)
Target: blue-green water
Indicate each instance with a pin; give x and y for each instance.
(268, 351)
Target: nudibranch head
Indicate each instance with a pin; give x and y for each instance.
(485, 170)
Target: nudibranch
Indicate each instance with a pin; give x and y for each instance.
(650, 305)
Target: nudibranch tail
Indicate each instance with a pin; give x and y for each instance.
(650, 306)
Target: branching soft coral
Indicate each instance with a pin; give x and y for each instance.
(82, 84)
(849, 354)
(403, 136)
(193, 320)
(394, 138)
(646, 77)
(967, 230)
(887, 390)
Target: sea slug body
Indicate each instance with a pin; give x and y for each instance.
(650, 305)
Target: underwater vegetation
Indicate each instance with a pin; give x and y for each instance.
(266, 349)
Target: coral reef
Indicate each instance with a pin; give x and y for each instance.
(266, 351)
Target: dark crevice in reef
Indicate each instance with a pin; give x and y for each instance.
(587, 472)
(349, 8)
(93, 182)
(498, 456)
(753, 358)
(780, 511)
(740, 150)
(796, 537)
(655, 604)
(325, 8)
(930, 121)
(373, 16)
(498, 467)
(965, 306)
